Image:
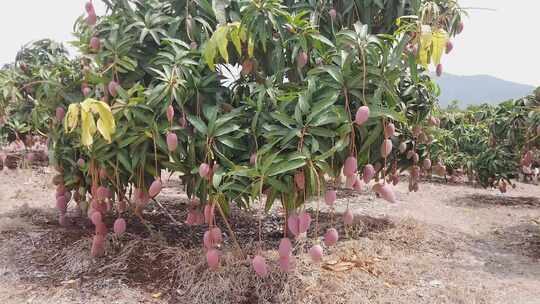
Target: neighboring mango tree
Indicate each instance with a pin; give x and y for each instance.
(491, 144)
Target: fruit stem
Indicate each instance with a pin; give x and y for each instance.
(233, 236)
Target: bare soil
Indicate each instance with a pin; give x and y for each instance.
(443, 244)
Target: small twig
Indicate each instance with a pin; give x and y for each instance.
(167, 212)
(233, 236)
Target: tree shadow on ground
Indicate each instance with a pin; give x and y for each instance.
(160, 253)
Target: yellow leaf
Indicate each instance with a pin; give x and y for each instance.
(88, 127)
(220, 38)
(235, 38)
(251, 47)
(426, 39)
(106, 124)
(72, 118)
(440, 37)
(209, 52)
(243, 34)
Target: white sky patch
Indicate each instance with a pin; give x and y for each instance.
(503, 43)
(22, 21)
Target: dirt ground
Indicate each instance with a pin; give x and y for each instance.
(443, 244)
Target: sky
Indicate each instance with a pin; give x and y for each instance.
(503, 42)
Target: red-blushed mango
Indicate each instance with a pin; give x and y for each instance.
(113, 88)
(199, 218)
(190, 218)
(172, 141)
(301, 59)
(208, 213)
(80, 162)
(182, 121)
(216, 235)
(285, 247)
(348, 217)
(61, 204)
(141, 197)
(332, 12)
(170, 113)
(89, 7)
(331, 237)
(60, 113)
(98, 246)
(91, 19)
(527, 158)
(300, 180)
(103, 173)
(386, 148)
(330, 197)
(351, 166)
(449, 47)
(253, 159)
(432, 121)
(102, 193)
(415, 157)
(402, 147)
(426, 164)
(86, 91)
(386, 192)
(368, 173)
(259, 266)
(304, 221)
(362, 115)
(293, 224)
(212, 258)
(119, 226)
(439, 69)
(415, 171)
(101, 229)
(204, 170)
(95, 44)
(460, 27)
(193, 45)
(389, 130)
(155, 188)
(316, 253)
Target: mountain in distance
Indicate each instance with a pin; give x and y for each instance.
(478, 89)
